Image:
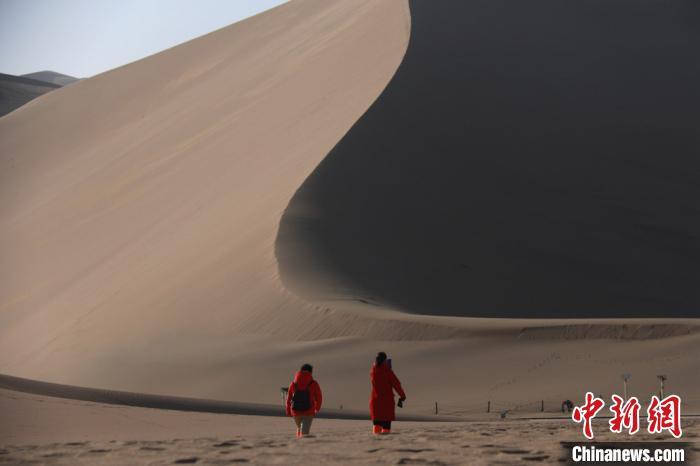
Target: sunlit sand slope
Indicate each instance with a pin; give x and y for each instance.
(139, 208)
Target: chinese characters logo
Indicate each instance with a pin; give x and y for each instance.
(662, 414)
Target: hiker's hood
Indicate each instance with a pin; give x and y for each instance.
(303, 379)
(384, 367)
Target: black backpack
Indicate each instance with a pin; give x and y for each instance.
(301, 399)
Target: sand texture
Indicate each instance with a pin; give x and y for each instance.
(514, 220)
(139, 208)
(100, 434)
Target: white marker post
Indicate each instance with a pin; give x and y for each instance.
(625, 378)
(662, 379)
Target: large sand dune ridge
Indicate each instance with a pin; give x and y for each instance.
(139, 208)
(139, 220)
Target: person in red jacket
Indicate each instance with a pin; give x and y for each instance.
(304, 399)
(381, 401)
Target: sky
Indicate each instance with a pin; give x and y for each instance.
(82, 38)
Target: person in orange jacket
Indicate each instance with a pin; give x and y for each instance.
(381, 401)
(304, 399)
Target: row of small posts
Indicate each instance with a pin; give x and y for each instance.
(625, 378)
(488, 407)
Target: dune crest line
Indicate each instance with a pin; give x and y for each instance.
(145, 400)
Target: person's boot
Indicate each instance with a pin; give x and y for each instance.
(386, 431)
(299, 433)
(376, 430)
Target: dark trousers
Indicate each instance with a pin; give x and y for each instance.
(384, 424)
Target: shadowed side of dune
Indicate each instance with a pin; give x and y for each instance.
(528, 159)
(16, 91)
(52, 77)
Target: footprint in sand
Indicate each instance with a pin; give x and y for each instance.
(420, 461)
(192, 460)
(514, 451)
(228, 461)
(414, 450)
(228, 443)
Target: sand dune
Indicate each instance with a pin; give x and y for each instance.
(140, 212)
(51, 77)
(139, 208)
(16, 91)
(528, 159)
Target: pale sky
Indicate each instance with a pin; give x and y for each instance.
(82, 38)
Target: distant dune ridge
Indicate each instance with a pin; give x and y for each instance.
(151, 239)
(52, 77)
(16, 91)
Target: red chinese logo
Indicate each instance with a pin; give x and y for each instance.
(661, 415)
(625, 415)
(665, 415)
(587, 412)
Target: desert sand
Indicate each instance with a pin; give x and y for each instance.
(153, 239)
(56, 431)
